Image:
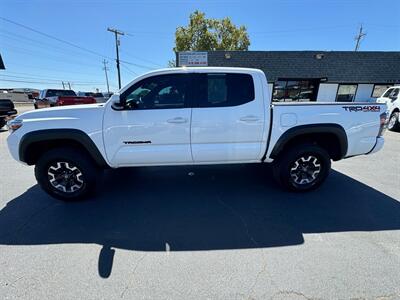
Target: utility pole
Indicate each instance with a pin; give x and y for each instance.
(69, 85)
(105, 70)
(63, 85)
(359, 37)
(117, 32)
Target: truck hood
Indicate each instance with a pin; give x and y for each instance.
(63, 112)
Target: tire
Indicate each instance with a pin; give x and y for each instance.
(66, 174)
(302, 168)
(2, 123)
(394, 124)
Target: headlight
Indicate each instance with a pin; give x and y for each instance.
(14, 125)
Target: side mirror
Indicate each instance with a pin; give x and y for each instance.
(117, 104)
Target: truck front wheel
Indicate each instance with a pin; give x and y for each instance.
(66, 174)
(302, 167)
(394, 122)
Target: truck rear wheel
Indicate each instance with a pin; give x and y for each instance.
(66, 174)
(302, 168)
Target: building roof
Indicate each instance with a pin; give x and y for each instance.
(335, 66)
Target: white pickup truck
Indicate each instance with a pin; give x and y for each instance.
(190, 116)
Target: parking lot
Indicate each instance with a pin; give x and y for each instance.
(207, 232)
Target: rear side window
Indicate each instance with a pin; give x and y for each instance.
(224, 89)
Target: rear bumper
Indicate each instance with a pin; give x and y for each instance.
(378, 145)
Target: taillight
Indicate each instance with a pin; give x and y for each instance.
(383, 123)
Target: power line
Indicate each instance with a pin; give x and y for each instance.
(69, 43)
(47, 79)
(53, 37)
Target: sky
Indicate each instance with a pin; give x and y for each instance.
(45, 42)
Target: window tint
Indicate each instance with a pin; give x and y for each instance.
(387, 93)
(294, 90)
(379, 89)
(58, 93)
(395, 93)
(346, 92)
(158, 92)
(220, 89)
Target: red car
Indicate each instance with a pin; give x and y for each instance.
(52, 97)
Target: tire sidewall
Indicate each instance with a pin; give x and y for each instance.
(294, 154)
(71, 156)
(395, 126)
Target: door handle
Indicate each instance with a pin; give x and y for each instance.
(250, 118)
(177, 120)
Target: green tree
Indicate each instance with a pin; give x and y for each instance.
(204, 34)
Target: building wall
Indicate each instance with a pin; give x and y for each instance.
(364, 92)
(270, 89)
(327, 92)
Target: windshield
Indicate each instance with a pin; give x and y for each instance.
(58, 93)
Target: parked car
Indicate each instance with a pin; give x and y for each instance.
(98, 96)
(193, 116)
(7, 111)
(392, 99)
(52, 97)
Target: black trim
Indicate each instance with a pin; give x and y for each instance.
(61, 134)
(271, 117)
(310, 129)
(325, 103)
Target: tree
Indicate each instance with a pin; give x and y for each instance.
(204, 34)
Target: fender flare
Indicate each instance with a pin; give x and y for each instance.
(61, 134)
(293, 132)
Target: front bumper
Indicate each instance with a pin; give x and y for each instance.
(378, 145)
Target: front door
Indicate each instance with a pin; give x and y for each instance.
(154, 127)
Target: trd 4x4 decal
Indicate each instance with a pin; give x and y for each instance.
(365, 108)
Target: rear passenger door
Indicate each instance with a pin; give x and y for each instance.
(227, 120)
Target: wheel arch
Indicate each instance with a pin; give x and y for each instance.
(33, 143)
(331, 137)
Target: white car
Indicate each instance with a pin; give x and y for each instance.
(193, 116)
(391, 97)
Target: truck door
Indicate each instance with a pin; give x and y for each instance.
(228, 120)
(154, 126)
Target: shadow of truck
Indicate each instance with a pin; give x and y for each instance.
(219, 207)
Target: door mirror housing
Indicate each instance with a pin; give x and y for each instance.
(117, 104)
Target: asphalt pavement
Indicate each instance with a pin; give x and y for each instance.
(206, 232)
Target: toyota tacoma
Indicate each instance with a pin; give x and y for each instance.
(192, 116)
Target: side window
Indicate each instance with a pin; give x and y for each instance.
(346, 92)
(387, 93)
(395, 93)
(158, 92)
(221, 90)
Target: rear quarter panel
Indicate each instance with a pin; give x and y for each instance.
(360, 121)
